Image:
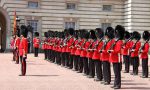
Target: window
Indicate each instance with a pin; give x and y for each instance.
(107, 7)
(34, 24)
(70, 25)
(32, 4)
(105, 25)
(71, 6)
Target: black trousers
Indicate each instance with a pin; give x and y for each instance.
(28, 47)
(145, 71)
(91, 67)
(117, 72)
(17, 56)
(51, 54)
(23, 65)
(67, 59)
(127, 63)
(85, 66)
(71, 61)
(135, 65)
(106, 71)
(76, 60)
(36, 51)
(46, 53)
(80, 64)
(63, 59)
(131, 60)
(13, 55)
(54, 56)
(98, 68)
(59, 58)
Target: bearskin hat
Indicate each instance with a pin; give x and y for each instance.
(82, 33)
(99, 32)
(49, 33)
(62, 35)
(76, 33)
(110, 32)
(36, 34)
(85, 34)
(55, 34)
(59, 34)
(119, 32)
(66, 33)
(71, 31)
(46, 34)
(126, 35)
(136, 35)
(92, 34)
(146, 35)
(24, 31)
(79, 33)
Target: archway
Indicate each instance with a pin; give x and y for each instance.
(5, 30)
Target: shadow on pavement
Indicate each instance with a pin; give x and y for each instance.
(34, 64)
(137, 88)
(134, 83)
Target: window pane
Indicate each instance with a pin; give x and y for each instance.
(71, 6)
(107, 7)
(33, 23)
(70, 25)
(32, 4)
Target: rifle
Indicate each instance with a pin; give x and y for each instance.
(90, 46)
(77, 45)
(104, 45)
(71, 46)
(133, 47)
(113, 45)
(66, 40)
(96, 45)
(126, 42)
(143, 46)
(81, 47)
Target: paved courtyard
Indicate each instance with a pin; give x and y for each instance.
(43, 75)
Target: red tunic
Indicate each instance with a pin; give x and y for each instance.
(17, 42)
(73, 50)
(126, 48)
(144, 54)
(12, 43)
(135, 53)
(69, 43)
(96, 54)
(48, 42)
(64, 47)
(23, 47)
(44, 46)
(36, 42)
(78, 50)
(105, 54)
(84, 49)
(90, 53)
(115, 54)
(53, 43)
(60, 43)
